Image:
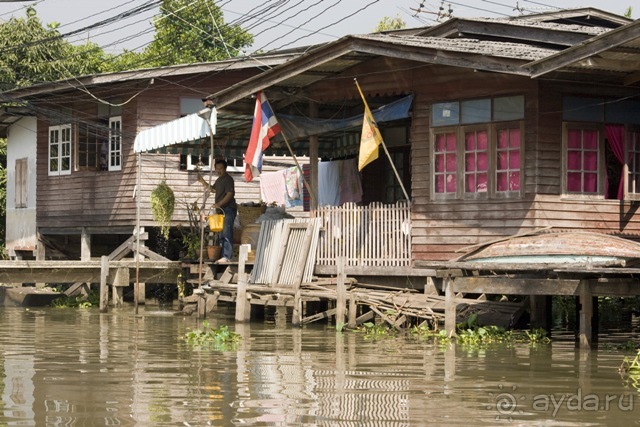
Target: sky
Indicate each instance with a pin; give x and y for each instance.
(277, 24)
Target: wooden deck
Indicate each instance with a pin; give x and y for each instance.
(86, 271)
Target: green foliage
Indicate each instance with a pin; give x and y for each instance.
(162, 205)
(3, 196)
(189, 31)
(218, 338)
(78, 301)
(630, 371)
(377, 331)
(387, 23)
(33, 53)
(628, 12)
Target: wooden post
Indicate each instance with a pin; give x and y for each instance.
(281, 310)
(243, 307)
(41, 255)
(449, 306)
(104, 287)
(120, 282)
(341, 290)
(430, 287)
(314, 145)
(538, 306)
(353, 310)
(586, 315)
(296, 316)
(85, 245)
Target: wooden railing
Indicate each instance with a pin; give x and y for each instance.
(365, 236)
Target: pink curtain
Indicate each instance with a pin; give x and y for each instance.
(615, 137)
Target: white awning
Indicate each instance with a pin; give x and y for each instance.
(185, 129)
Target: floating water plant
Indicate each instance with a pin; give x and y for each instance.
(220, 338)
(630, 371)
(78, 301)
(162, 205)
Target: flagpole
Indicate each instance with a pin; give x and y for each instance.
(384, 146)
(295, 159)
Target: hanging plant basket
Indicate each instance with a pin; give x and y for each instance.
(162, 205)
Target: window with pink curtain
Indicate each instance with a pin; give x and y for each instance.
(615, 139)
(445, 162)
(633, 162)
(508, 160)
(476, 160)
(582, 160)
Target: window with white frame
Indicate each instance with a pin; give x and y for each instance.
(59, 150)
(583, 164)
(115, 143)
(198, 162)
(508, 152)
(632, 187)
(477, 146)
(600, 147)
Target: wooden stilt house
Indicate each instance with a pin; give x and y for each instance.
(514, 126)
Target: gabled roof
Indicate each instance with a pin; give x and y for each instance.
(43, 89)
(514, 30)
(581, 16)
(334, 58)
(614, 56)
(9, 115)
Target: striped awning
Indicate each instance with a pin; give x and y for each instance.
(188, 128)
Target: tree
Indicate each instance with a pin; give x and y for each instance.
(189, 31)
(387, 23)
(31, 53)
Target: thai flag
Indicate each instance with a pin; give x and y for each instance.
(265, 126)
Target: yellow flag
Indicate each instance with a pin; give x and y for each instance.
(370, 138)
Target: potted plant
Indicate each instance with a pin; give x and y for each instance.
(214, 250)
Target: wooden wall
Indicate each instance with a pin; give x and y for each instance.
(442, 229)
(104, 200)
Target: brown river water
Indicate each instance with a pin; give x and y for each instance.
(78, 367)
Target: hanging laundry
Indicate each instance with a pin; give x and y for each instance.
(272, 187)
(328, 184)
(350, 182)
(293, 187)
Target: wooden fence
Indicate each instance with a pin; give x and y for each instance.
(377, 235)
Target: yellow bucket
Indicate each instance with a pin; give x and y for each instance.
(216, 221)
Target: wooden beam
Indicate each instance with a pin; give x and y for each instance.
(516, 286)
(79, 271)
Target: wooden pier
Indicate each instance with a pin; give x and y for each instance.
(344, 300)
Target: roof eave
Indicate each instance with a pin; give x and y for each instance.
(584, 50)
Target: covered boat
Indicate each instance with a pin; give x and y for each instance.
(568, 247)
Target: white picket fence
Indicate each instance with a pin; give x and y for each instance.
(377, 235)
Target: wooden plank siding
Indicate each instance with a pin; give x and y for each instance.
(440, 228)
(105, 199)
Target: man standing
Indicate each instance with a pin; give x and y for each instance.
(224, 189)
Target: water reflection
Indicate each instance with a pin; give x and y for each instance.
(64, 367)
